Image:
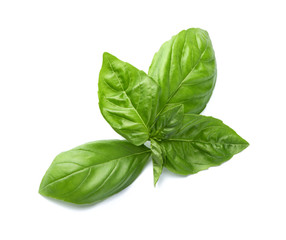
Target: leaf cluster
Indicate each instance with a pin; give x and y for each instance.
(162, 107)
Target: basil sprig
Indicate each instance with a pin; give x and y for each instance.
(162, 107)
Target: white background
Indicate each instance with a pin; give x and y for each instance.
(50, 57)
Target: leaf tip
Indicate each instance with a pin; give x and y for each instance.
(43, 188)
(242, 146)
(244, 142)
(41, 191)
(155, 181)
(107, 55)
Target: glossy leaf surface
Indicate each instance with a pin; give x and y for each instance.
(94, 171)
(200, 143)
(185, 68)
(169, 122)
(128, 99)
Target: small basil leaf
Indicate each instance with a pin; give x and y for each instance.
(200, 143)
(169, 121)
(157, 159)
(128, 99)
(94, 171)
(185, 68)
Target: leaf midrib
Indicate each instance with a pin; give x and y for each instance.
(195, 141)
(91, 166)
(126, 94)
(174, 93)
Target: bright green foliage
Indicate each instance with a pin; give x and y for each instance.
(200, 143)
(168, 122)
(127, 99)
(94, 171)
(185, 68)
(161, 107)
(157, 159)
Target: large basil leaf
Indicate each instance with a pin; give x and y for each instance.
(128, 99)
(94, 171)
(185, 68)
(200, 143)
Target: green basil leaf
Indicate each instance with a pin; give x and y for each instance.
(169, 122)
(128, 99)
(157, 159)
(185, 68)
(94, 171)
(200, 143)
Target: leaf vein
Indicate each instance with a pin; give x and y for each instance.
(91, 166)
